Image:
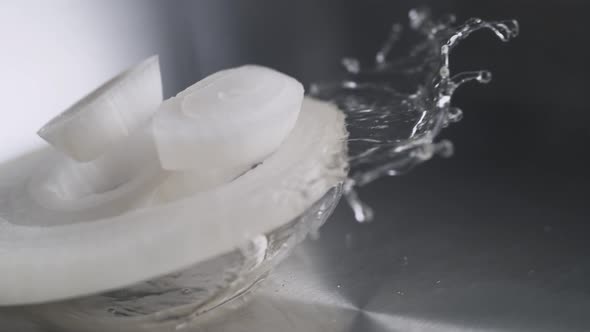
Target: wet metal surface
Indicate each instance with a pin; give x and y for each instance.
(432, 265)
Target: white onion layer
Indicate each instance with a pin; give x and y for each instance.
(108, 115)
(230, 120)
(40, 264)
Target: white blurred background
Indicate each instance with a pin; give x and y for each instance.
(55, 52)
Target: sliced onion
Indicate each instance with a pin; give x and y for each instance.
(228, 122)
(108, 115)
(41, 264)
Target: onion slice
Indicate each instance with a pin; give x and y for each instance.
(41, 264)
(230, 120)
(108, 115)
(220, 127)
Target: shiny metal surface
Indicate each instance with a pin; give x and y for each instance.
(430, 267)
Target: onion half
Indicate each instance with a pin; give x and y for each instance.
(43, 262)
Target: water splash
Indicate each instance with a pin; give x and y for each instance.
(396, 107)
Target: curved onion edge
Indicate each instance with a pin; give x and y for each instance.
(107, 115)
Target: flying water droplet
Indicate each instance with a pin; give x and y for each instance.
(362, 212)
(394, 36)
(351, 65)
(181, 326)
(455, 114)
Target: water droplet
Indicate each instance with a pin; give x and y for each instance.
(418, 17)
(181, 326)
(484, 76)
(405, 261)
(444, 148)
(481, 76)
(454, 114)
(352, 65)
(424, 151)
(394, 36)
(444, 72)
(349, 84)
(362, 212)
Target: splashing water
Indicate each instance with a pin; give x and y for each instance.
(396, 107)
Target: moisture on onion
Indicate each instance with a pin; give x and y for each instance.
(131, 188)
